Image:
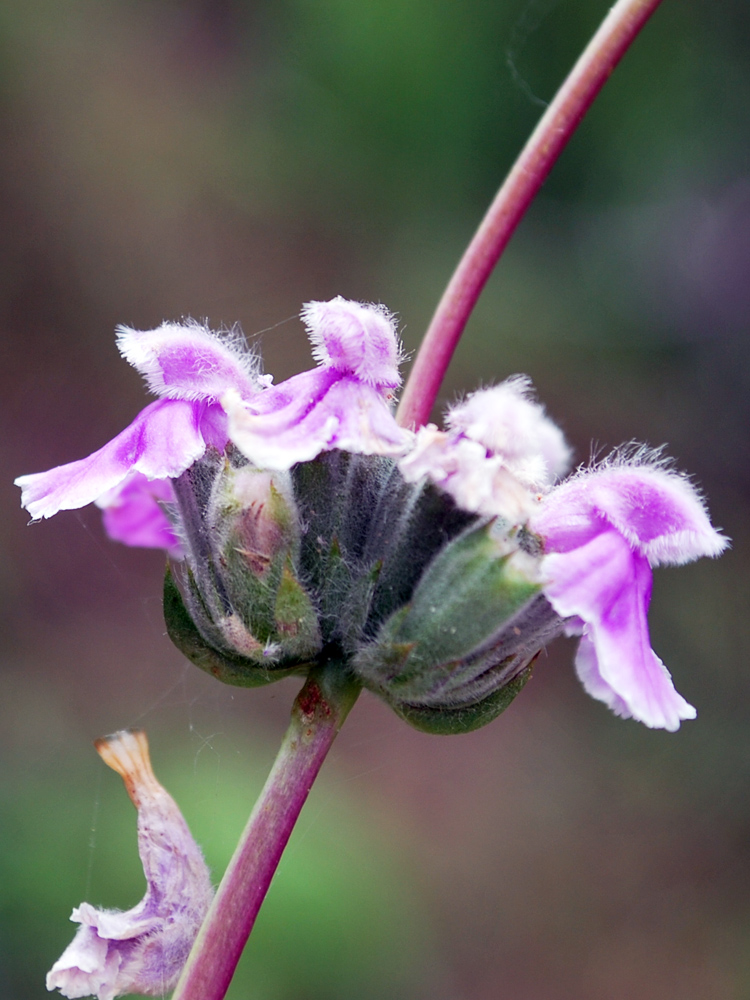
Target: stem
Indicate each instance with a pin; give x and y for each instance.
(557, 125)
(317, 715)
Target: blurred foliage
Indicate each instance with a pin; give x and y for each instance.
(232, 159)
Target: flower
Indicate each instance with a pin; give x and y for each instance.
(203, 376)
(343, 403)
(603, 530)
(500, 450)
(600, 533)
(189, 367)
(144, 949)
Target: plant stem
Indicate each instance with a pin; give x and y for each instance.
(557, 125)
(317, 715)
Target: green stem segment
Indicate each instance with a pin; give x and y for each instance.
(557, 125)
(317, 715)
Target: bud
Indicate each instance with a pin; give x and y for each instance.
(459, 651)
(243, 614)
(436, 609)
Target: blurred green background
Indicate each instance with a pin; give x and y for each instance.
(232, 159)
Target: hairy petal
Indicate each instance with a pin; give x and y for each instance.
(164, 439)
(608, 585)
(313, 412)
(188, 361)
(144, 949)
(657, 510)
(509, 424)
(133, 513)
(354, 339)
(477, 482)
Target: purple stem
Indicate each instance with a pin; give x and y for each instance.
(317, 715)
(557, 125)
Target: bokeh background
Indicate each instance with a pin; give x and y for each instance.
(231, 159)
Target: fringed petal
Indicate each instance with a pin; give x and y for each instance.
(355, 339)
(656, 509)
(187, 361)
(511, 425)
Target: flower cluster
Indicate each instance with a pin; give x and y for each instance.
(306, 525)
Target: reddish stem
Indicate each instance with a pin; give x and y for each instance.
(317, 715)
(557, 125)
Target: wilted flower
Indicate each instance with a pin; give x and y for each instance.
(144, 949)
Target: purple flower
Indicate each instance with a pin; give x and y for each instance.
(343, 403)
(189, 367)
(603, 530)
(500, 451)
(142, 950)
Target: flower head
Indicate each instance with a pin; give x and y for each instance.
(289, 544)
(144, 949)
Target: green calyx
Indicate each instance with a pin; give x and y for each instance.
(465, 718)
(224, 666)
(467, 595)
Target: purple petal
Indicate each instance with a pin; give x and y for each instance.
(608, 585)
(133, 514)
(188, 361)
(142, 950)
(354, 339)
(658, 511)
(313, 412)
(163, 440)
(511, 425)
